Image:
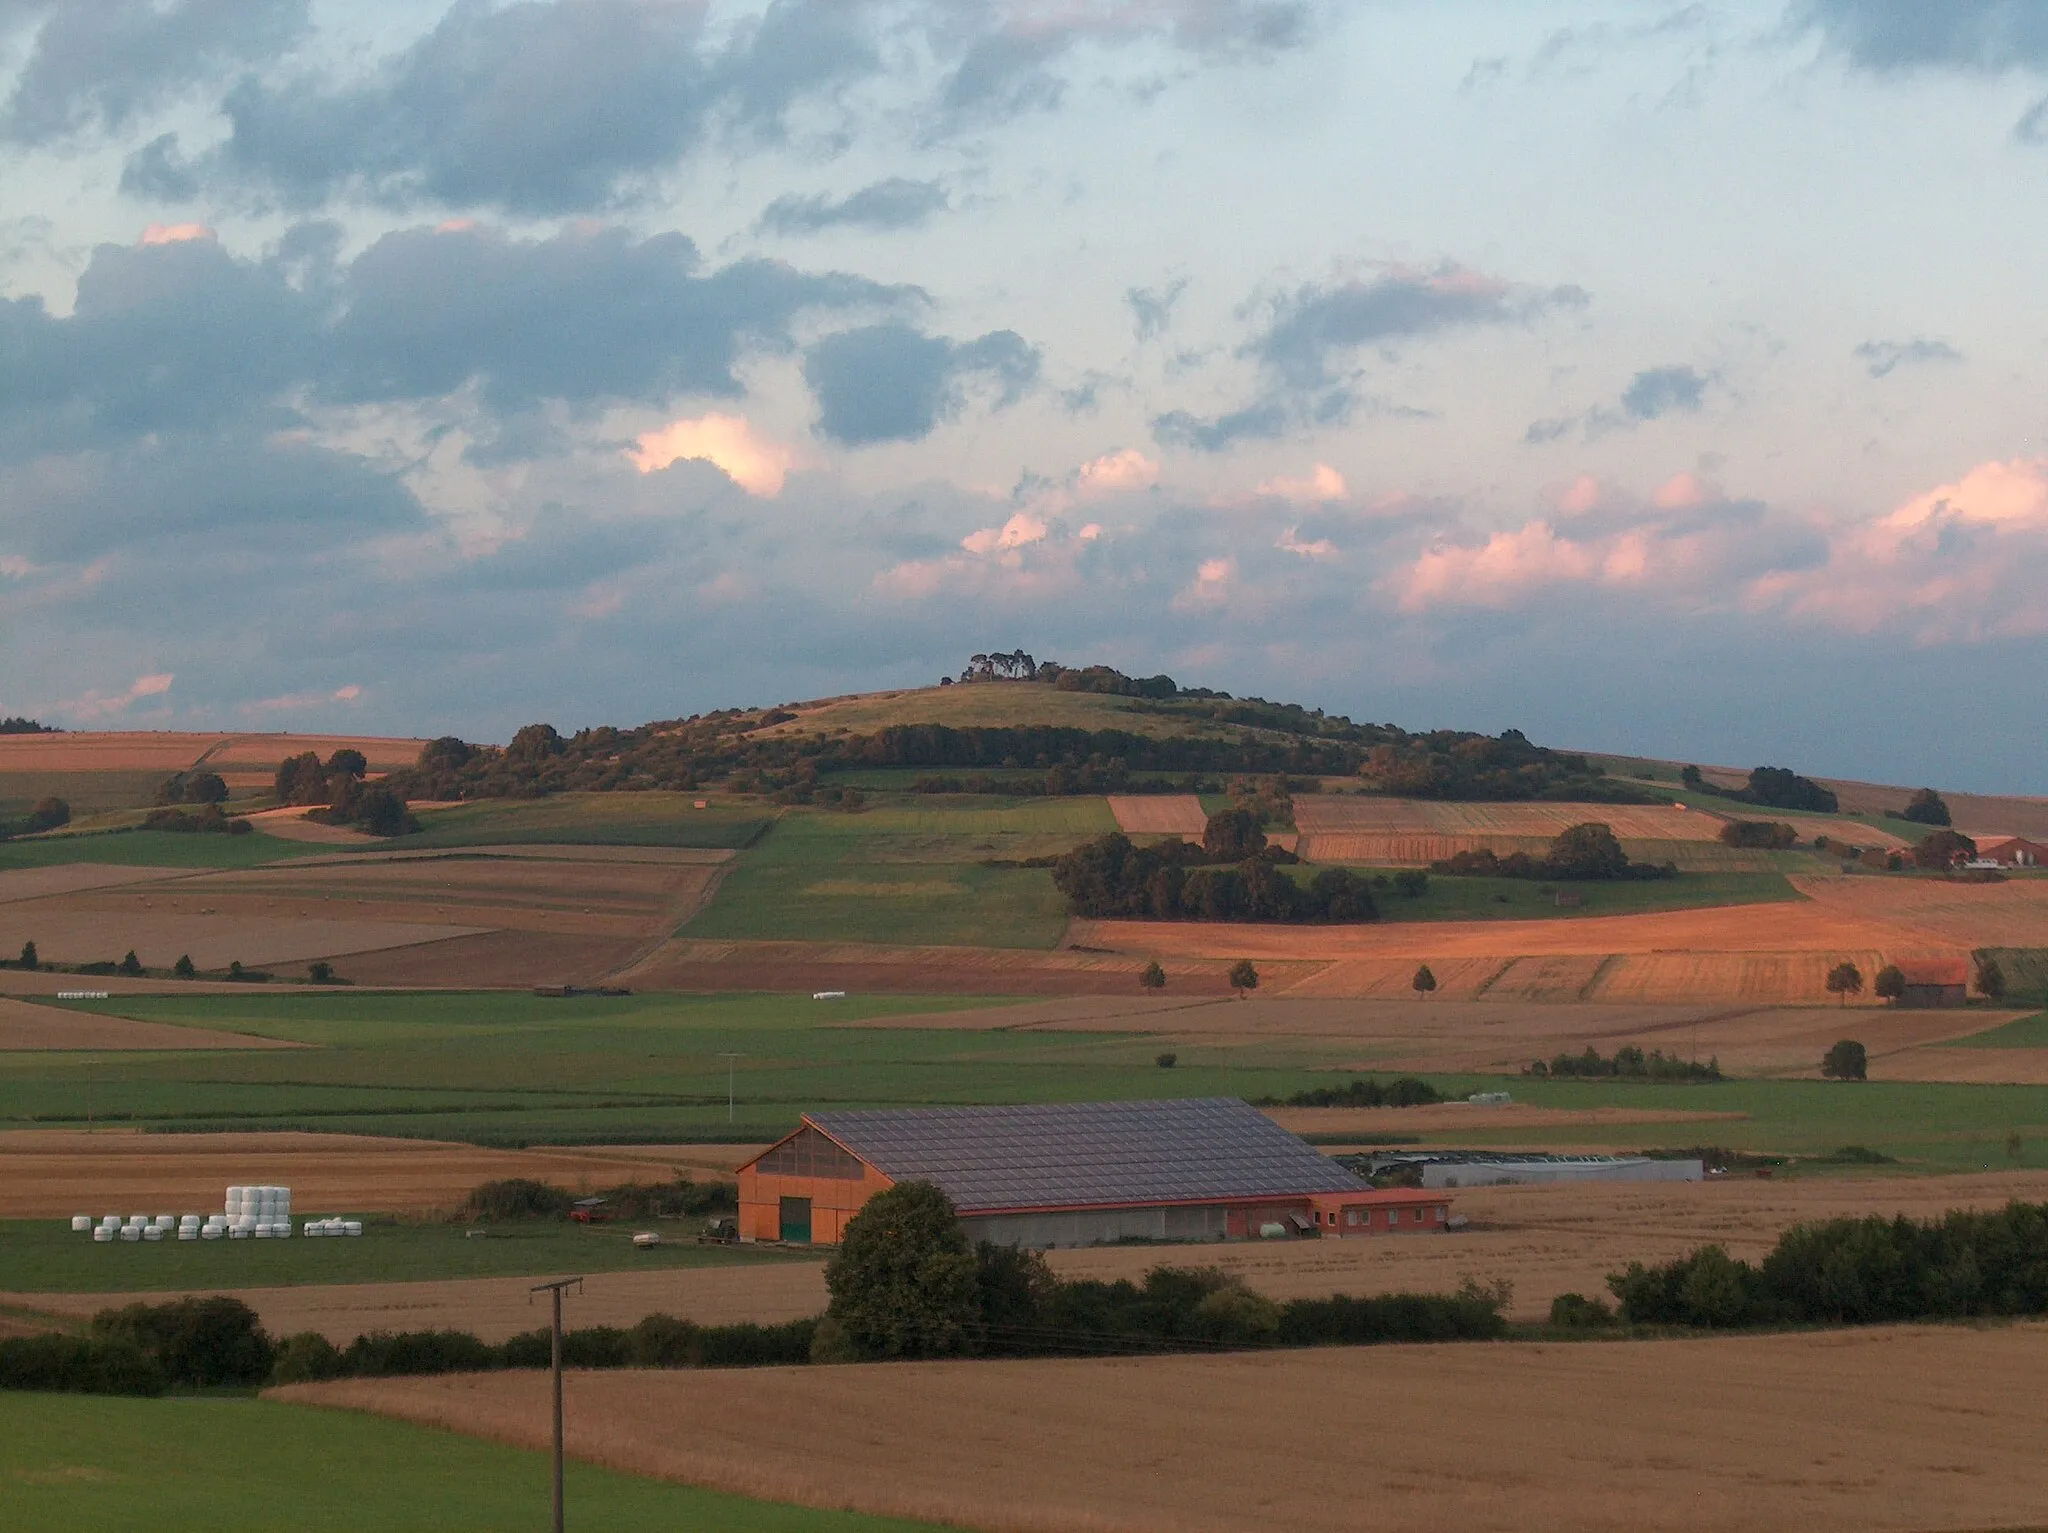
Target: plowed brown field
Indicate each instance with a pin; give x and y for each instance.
(24, 1025)
(1892, 1428)
(1159, 814)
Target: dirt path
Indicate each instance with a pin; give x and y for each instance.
(1894, 1428)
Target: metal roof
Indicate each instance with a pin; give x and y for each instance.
(1083, 1154)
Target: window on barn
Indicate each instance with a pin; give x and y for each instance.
(810, 1153)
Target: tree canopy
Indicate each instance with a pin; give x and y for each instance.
(903, 1281)
(1926, 808)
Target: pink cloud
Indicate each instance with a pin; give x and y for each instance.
(175, 234)
(1492, 574)
(1117, 471)
(299, 702)
(1019, 530)
(1323, 483)
(1291, 543)
(757, 464)
(1210, 587)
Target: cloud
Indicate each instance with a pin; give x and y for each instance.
(1019, 530)
(1291, 542)
(1886, 357)
(893, 383)
(1322, 484)
(99, 705)
(1127, 469)
(99, 64)
(1152, 308)
(1211, 586)
(1653, 394)
(1979, 35)
(896, 203)
(755, 463)
(303, 702)
(1306, 349)
(175, 234)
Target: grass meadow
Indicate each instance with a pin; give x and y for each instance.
(913, 872)
(512, 1069)
(198, 1465)
(45, 1256)
(1522, 899)
(591, 819)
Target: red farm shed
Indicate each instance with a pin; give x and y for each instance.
(1075, 1174)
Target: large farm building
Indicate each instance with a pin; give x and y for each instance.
(1074, 1174)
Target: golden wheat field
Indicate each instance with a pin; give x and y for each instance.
(1159, 814)
(1887, 1428)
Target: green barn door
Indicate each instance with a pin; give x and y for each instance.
(796, 1221)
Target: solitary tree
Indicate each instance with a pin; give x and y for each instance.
(131, 965)
(1845, 980)
(184, 967)
(1926, 808)
(29, 959)
(49, 813)
(1154, 977)
(1243, 977)
(1587, 851)
(1890, 983)
(1846, 1061)
(348, 760)
(1990, 979)
(903, 1281)
(1424, 981)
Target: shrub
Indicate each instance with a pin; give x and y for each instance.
(306, 1358)
(517, 1197)
(1153, 977)
(197, 1342)
(1629, 1063)
(48, 814)
(747, 1345)
(1471, 1314)
(662, 1341)
(1760, 835)
(1167, 1060)
(384, 1353)
(1576, 1312)
(1407, 1091)
(1847, 1060)
(90, 1365)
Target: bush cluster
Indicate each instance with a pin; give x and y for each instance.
(1585, 853)
(1407, 1091)
(518, 1198)
(207, 819)
(146, 1349)
(1174, 881)
(1855, 1272)
(1628, 1063)
(1759, 835)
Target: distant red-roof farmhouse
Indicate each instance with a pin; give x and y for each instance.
(2011, 851)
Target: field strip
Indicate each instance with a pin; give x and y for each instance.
(212, 941)
(1905, 1428)
(291, 824)
(52, 1173)
(24, 1025)
(513, 851)
(71, 877)
(1161, 814)
(1361, 814)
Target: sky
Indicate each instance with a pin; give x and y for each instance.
(1654, 378)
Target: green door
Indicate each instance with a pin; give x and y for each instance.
(796, 1221)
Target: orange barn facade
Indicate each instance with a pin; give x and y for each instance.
(1064, 1175)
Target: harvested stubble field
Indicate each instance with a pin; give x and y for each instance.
(1976, 814)
(1159, 814)
(1892, 1428)
(1349, 828)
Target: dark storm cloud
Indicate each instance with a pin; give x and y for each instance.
(1306, 349)
(1883, 358)
(897, 203)
(100, 63)
(892, 383)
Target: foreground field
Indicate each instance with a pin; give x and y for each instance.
(1898, 1428)
(196, 1466)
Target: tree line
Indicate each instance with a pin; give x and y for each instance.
(1772, 787)
(1232, 876)
(1582, 853)
(339, 794)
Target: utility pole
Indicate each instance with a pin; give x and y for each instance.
(555, 1288)
(729, 1058)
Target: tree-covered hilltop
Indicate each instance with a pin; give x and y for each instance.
(1159, 738)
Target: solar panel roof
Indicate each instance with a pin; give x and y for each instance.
(1057, 1155)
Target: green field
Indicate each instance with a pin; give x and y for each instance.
(906, 872)
(86, 792)
(515, 1069)
(153, 849)
(591, 819)
(45, 1256)
(70, 1463)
